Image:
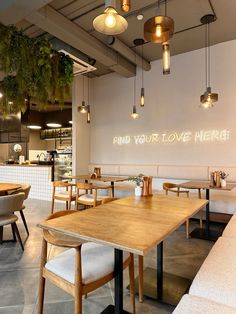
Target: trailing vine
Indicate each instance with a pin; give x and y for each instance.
(31, 68)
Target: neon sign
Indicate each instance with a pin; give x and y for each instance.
(201, 136)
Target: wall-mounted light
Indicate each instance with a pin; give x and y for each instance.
(110, 22)
(166, 57)
(125, 5)
(54, 125)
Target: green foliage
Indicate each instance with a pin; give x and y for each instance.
(138, 180)
(32, 68)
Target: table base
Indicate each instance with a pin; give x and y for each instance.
(212, 235)
(174, 287)
(111, 310)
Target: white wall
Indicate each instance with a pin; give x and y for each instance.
(172, 104)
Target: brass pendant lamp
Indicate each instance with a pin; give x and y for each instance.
(125, 5)
(134, 114)
(83, 108)
(110, 22)
(159, 29)
(208, 99)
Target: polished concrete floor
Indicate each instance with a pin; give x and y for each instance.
(19, 271)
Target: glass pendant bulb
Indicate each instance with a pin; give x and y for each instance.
(166, 57)
(142, 99)
(88, 115)
(125, 5)
(158, 31)
(110, 19)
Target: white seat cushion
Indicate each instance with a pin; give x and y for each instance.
(230, 229)
(90, 198)
(8, 219)
(195, 305)
(216, 279)
(65, 194)
(97, 261)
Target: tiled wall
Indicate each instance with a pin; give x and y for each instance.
(39, 177)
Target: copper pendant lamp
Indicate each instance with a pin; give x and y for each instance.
(125, 5)
(159, 29)
(110, 22)
(208, 99)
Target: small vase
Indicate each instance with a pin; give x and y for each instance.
(223, 183)
(138, 191)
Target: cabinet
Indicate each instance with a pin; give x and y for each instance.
(62, 166)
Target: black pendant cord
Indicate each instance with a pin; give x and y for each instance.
(83, 88)
(165, 7)
(135, 80)
(142, 67)
(209, 51)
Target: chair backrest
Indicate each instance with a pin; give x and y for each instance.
(25, 188)
(11, 203)
(60, 183)
(169, 185)
(84, 186)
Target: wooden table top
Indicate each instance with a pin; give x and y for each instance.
(102, 178)
(5, 187)
(133, 224)
(205, 185)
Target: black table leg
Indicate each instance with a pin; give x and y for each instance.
(207, 213)
(118, 308)
(112, 188)
(160, 271)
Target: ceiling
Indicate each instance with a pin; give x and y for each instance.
(71, 22)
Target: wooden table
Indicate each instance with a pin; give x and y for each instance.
(206, 233)
(133, 224)
(112, 180)
(7, 187)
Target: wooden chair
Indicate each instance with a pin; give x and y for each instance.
(8, 205)
(91, 199)
(80, 269)
(63, 191)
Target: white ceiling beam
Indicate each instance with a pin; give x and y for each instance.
(61, 27)
(14, 11)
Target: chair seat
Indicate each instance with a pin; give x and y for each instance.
(65, 195)
(8, 219)
(97, 261)
(90, 198)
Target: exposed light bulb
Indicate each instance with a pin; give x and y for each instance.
(166, 58)
(158, 31)
(110, 20)
(1, 95)
(134, 114)
(142, 100)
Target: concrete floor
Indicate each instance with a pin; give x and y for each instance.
(19, 271)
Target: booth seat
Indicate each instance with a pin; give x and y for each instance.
(220, 201)
(213, 290)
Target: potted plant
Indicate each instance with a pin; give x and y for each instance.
(138, 180)
(223, 177)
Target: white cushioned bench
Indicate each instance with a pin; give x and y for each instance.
(190, 304)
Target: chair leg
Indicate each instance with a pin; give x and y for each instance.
(18, 235)
(52, 209)
(132, 284)
(187, 229)
(140, 278)
(13, 233)
(67, 206)
(200, 221)
(1, 234)
(41, 278)
(24, 221)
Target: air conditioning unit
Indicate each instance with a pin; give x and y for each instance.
(79, 66)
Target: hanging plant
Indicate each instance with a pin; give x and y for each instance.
(31, 68)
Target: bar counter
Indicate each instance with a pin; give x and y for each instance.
(38, 176)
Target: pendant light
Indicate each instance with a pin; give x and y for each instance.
(125, 5)
(83, 108)
(142, 99)
(134, 114)
(159, 29)
(110, 22)
(88, 111)
(208, 98)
